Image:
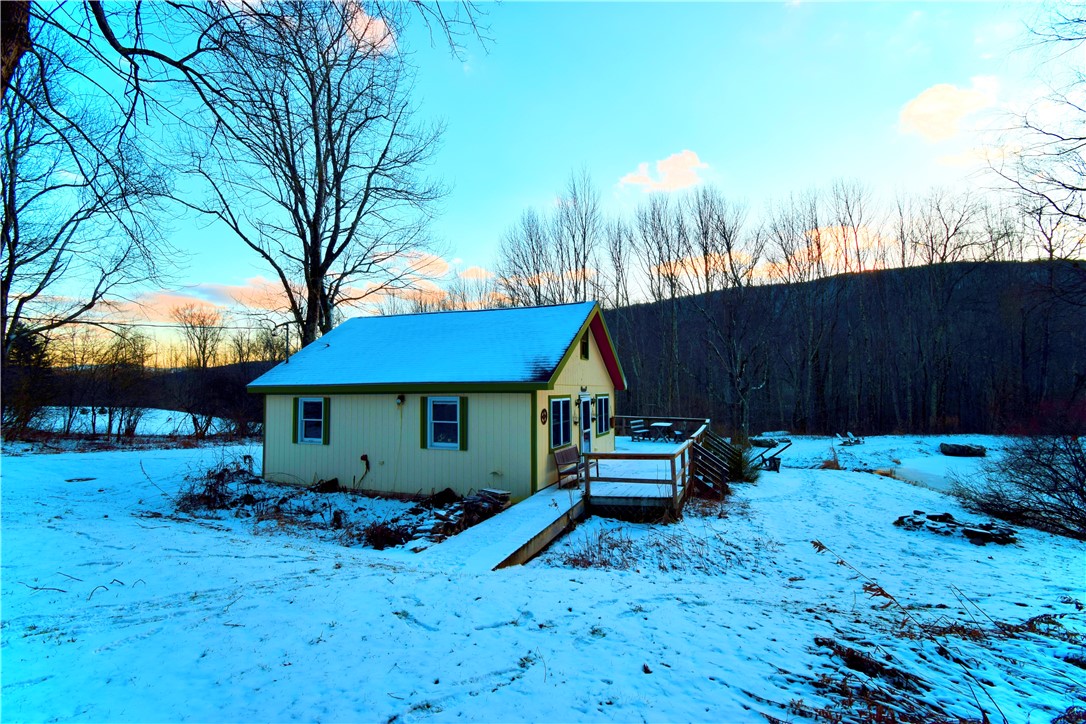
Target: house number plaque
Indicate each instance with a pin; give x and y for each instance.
(543, 416)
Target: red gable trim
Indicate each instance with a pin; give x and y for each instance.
(607, 350)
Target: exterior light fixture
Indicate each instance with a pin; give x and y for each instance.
(399, 400)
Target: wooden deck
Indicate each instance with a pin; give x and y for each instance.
(641, 479)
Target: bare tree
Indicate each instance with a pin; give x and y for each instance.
(121, 38)
(126, 381)
(728, 258)
(15, 39)
(851, 235)
(803, 249)
(619, 244)
(661, 238)
(714, 223)
(272, 345)
(75, 226)
(1049, 167)
(944, 234)
(578, 227)
(527, 266)
(78, 350)
(319, 174)
(471, 293)
(203, 332)
(242, 347)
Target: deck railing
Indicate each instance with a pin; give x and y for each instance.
(680, 463)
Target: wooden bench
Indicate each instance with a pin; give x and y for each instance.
(569, 464)
(638, 430)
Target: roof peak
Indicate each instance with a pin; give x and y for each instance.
(469, 311)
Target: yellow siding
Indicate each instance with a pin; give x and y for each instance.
(590, 373)
(498, 454)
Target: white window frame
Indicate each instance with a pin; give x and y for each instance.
(302, 419)
(566, 421)
(430, 423)
(603, 417)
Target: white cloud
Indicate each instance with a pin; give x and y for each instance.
(677, 171)
(939, 112)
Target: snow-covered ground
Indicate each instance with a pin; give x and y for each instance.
(153, 422)
(112, 613)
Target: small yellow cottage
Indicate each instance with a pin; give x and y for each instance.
(421, 402)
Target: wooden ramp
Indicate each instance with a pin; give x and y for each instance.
(511, 537)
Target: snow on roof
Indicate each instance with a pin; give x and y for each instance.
(518, 345)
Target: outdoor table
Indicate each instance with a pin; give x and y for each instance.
(660, 430)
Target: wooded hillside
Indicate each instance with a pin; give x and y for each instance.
(967, 347)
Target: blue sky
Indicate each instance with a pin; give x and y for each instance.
(761, 99)
(771, 98)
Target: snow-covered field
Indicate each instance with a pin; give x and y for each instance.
(111, 613)
(153, 422)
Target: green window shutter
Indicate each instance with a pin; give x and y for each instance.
(463, 423)
(294, 429)
(423, 405)
(327, 420)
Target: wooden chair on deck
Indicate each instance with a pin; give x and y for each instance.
(569, 464)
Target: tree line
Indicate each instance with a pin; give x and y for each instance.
(87, 379)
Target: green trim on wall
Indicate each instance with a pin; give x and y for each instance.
(434, 388)
(596, 405)
(326, 422)
(534, 425)
(463, 423)
(294, 429)
(424, 412)
(264, 447)
(550, 419)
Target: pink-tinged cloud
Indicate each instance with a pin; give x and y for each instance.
(477, 273)
(369, 31)
(677, 171)
(157, 306)
(939, 112)
(427, 265)
(255, 293)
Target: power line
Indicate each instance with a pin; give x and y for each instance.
(155, 325)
